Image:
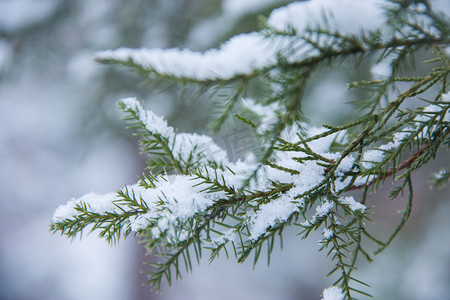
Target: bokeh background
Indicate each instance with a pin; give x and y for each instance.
(61, 137)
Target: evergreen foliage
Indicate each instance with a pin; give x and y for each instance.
(194, 198)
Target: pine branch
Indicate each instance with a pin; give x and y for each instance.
(403, 165)
(195, 197)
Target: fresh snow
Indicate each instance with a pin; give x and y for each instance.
(432, 113)
(247, 53)
(333, 293)
(176, 198)
(327, 233)
(94, 202)
(241, 55)
(346, 16)
(431, 110)
(173, 200)
(321, 211)
(152, 122)
(371, 157)
(352, 204)
(202, 147)
(269, 214)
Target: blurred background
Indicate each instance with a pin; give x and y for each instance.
(61, 137)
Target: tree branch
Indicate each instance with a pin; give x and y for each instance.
(403, 165)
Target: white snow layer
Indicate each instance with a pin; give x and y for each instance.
(431, 113)
(333, 293)
(240, 55)
(94, 202)
(321, 211)
(269, 214)
(202, 147)
(246, 53)
(153, 123)
(327, 233)
(346, 16)
(173, 200)
(176, 198)
(352, 204)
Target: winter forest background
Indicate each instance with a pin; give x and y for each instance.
(61, 137)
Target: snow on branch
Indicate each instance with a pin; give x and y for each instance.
(166, 199)
(249, 53)
(333, 293)
(241, 55)
(195, 196)
(345, 16)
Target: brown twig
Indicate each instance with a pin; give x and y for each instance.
(403, 165)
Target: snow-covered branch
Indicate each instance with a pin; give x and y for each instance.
(196, 196)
